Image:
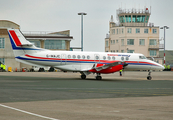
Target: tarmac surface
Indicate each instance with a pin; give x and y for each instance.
(64, 96)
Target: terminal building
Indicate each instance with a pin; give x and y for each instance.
(134, 34)
(48, 40)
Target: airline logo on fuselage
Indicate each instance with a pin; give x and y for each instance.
(118, 55)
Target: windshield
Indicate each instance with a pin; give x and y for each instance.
(142, 57)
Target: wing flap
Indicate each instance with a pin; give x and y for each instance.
(107, 66)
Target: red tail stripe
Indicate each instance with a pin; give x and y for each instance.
(15, 38)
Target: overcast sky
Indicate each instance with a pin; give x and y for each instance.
(60, 15)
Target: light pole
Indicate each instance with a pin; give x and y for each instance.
(82, 13)
(164, 27)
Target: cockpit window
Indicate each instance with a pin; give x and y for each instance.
(142, 57)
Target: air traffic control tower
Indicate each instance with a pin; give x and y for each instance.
(132, 33)
(133, 17)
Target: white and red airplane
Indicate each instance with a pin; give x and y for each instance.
(83, 62)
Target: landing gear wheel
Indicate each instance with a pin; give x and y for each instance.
(98, 77)
(83, 76)
(149, 78)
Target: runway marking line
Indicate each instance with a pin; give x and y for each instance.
(41, 116)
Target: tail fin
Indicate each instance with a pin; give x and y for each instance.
(19, 43)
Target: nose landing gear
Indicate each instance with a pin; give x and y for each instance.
(149, 75)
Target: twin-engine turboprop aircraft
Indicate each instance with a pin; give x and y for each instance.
(83, 62)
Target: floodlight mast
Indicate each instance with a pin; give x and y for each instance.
(82, 13)
(164, 27)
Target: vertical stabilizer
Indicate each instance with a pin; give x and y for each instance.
(19, 43)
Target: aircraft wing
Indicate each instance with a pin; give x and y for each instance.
(107, 66)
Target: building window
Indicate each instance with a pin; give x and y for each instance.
(113, 31)
(122, 51)
(153, 52)
(2, 43)
(55, 44)
(154, 31)
(153, 42)
(117, 31)
(145, 30)
(129, 30)
(137, 30)
(116, 41)
(113, 41)
(130, 51)
(122, 42)
(122, 30)
(130, 41)
(107, 44)
(142, 42)
(2, 60)
(36, 43)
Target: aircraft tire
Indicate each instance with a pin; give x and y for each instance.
(149, 78)
(98, 77)
(83, 76)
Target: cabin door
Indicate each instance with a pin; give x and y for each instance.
(63, 59)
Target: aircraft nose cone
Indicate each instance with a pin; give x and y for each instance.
(163, 67)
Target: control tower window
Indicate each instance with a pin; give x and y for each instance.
(139, 19)
(146, 21)
(143, 18)
(122, 19)
(134, 18)
(129, 19)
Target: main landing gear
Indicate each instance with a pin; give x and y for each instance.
(98, 77)
(83, 76)
(149, 75)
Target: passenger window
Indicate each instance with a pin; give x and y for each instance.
(122, 58)
(109, 58)
(104, 57)
(78, 56)
(113, 58)
(83, 56)
(96, 57)
(58, 56)
(69, 56)
(74, 56)
(88, 57)
(127, 58)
